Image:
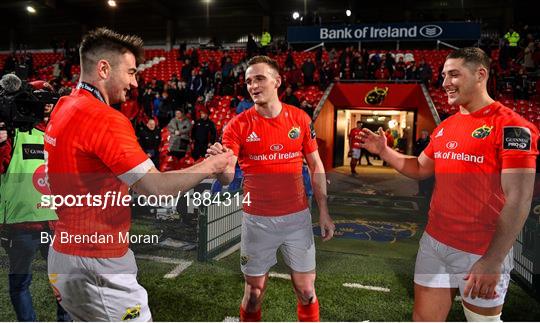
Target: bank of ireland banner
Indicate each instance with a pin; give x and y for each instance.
(385, 32)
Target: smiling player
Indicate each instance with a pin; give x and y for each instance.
(269, 142)
(483, 158)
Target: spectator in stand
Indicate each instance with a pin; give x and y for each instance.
(390, 63)
(334, 70)
(149, 138)
(319, 56)
(288, 97)
(411, 71)
(218, 83)
(203, 135)
(213, 66)
(347, 53)
(401, 145)
(346, 72)
(166, 109)
(425, 74)
(240, 85)
(195, 86)
(174, 93)
(528, 62)
(225, 57)
(536, 54)
(130, 108)
(156, 104)
(251, 46)
(56, 72)
(504, 54)
(68, 63)
(183, 93)
(289, 60)
(492, 85)
(372, 67)
(513, 39)
(227, 70)
(359, 70)
(180, 132)
(295, 77)
(308, 69)
(399, 70)
(200, 105)
(521, 85)
(10, 64)
(66, 90)
(382, 72)
(147, 101)
(185, 72)
(307, 107)
(244, 104)
(324, 75)
(154, 85)
(194, 57)
(332, 54)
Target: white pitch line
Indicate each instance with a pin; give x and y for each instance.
(181, 264)
(231, 319)
(178, 270)
(278, 275)
(375, 288)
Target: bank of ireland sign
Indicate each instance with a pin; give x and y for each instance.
(385, 32)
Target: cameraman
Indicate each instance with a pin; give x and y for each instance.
(22, 172)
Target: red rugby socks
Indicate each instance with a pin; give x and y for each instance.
(249, 316)
(308, 313)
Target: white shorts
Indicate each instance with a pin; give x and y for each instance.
(262, 236)
(98, 289)
(355, 153)
(441, 266)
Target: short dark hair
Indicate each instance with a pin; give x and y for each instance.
(264, 59)
(99, 43)
(472, 56)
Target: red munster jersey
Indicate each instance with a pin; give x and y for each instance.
(354, 137)
(269, 152)
(91, 148)
(470, 151)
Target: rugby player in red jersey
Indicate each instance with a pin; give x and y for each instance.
(269, 142)
(483, 159)
(354, 144)
(91, 148)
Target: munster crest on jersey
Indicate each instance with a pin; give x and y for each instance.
(482, 132)
(294, 133)
(376, 96)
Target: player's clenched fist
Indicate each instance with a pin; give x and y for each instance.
(215, 149)
(219, 161)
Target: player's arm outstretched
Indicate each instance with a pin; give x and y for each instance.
(517, 185)
(318, 182)
(414, 167)
(158, 183)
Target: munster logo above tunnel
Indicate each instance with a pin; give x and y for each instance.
(376, 96)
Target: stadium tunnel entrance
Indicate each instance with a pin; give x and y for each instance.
(400, 123)
(402, 107)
